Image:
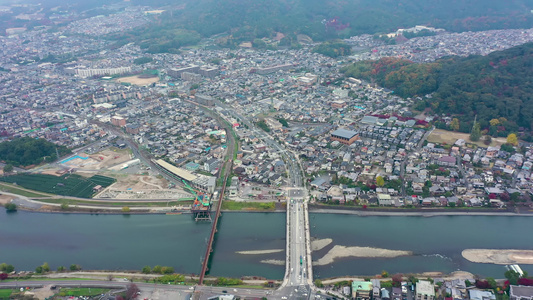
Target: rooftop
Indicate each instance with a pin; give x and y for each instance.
(348, 134)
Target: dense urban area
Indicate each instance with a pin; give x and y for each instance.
(85, 121)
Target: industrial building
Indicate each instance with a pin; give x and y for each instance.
(344, 136)
(201, 182)
(118, 121)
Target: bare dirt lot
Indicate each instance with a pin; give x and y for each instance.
(449, 137)
(138, 80)
(133, 186)
(5, 199)
(99, 161)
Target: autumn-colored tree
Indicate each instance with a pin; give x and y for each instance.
(380, 181)
(494, 122)
(512, 139)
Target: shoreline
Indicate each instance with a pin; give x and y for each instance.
(313, 208)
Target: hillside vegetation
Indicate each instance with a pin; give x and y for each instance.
(323, 20)
(28, 151)
(497, 87)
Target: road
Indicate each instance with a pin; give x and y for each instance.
(297, 283)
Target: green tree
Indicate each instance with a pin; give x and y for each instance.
(167, 270)
(512, 139)
(39, 270)
(475, 135)
(454, 125)
(75, 267)
(10, 207)
(64, 206)
(125, 209)
(61, 269)
(157, 269)
(492, 282)
(8, 168)
(147, 270)
(6, 268)
(46, 267)
(318, 283)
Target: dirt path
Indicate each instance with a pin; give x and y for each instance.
(148, 183)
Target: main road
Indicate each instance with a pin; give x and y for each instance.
(298, 280)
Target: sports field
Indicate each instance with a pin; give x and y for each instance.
(67, 185)
(139, 80)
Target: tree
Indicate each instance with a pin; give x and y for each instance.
(397, 280)
(507, 148)
(75, 267)
(512, 276)
(475, 135)
(384, 274)
(6, 268)
(10, 207)
(318, 283)
(512, 139)
(487, 140)
(131, 291)
(64, 206)
(380, 181)
(454, 125)
(125, 209)
(494, 122)
(167, 270)
(8, 168)
(3, 276)
(157, 269)
(492, 282)
(505, 196)
(146, 270)
(39, 270)
(46, 267)
(61, 269)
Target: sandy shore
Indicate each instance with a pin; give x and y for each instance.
(276, 262)
(499, 256)
(317, 245)
(343, 251)
(255, 252)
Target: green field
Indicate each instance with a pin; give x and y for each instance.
(234, 205)
(5, 293)
(76, 292)
(14, 190)
(67, 185)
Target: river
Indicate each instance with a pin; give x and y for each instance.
(118, 242)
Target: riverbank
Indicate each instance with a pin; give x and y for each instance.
(499, 256)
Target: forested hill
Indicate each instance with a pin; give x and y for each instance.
(499, 85)
(28, 151)
(325, 19)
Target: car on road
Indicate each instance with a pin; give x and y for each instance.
(224, 291)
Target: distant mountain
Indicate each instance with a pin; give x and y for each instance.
(496, 86)
(325, 19)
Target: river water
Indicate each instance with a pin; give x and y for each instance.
(120, 242)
